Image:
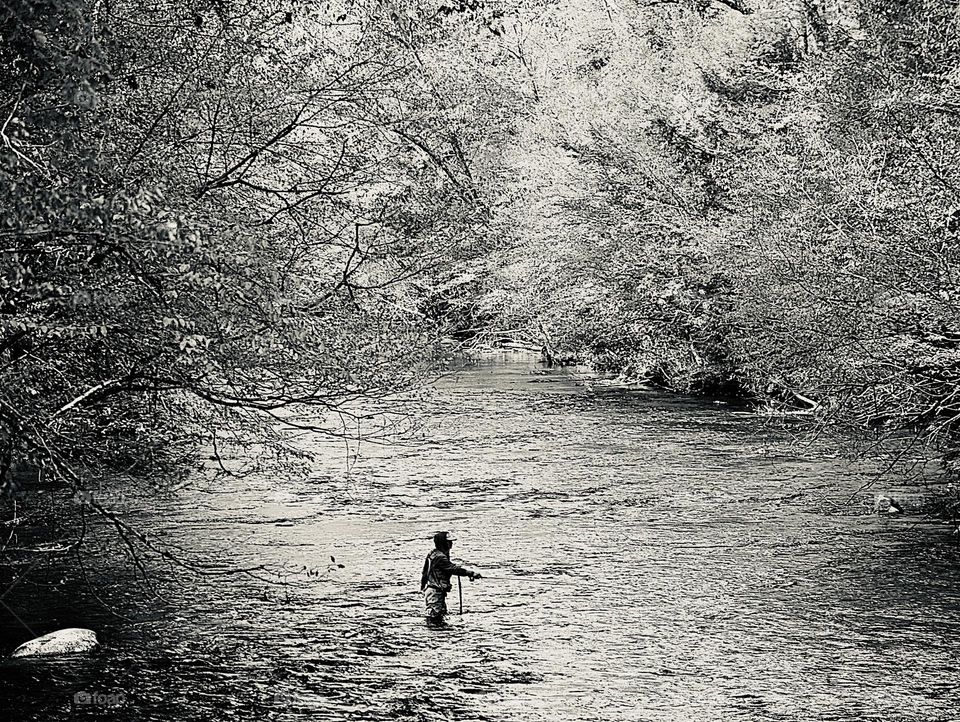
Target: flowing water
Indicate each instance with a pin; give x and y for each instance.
(645, 558)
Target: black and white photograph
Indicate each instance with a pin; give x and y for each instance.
(480, 360)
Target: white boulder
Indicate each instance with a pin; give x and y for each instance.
(886, 505)
(63, 641)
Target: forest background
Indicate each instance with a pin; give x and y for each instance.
(215, 215)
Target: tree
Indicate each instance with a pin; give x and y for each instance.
(205, 209)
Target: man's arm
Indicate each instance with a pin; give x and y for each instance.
(454, 570)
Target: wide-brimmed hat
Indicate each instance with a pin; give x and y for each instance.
(443, 536)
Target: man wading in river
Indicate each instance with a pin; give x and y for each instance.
(435, 581)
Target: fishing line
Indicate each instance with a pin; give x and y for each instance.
(558, 582)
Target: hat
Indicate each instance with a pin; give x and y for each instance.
(441, 537)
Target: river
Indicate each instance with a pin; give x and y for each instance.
(645, 557)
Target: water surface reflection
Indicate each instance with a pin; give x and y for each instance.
(649, 559)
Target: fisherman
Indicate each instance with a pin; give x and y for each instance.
(435, 581)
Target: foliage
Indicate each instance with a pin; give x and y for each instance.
(206, 208)
(258, 204)
(850, 294)
(758, 200)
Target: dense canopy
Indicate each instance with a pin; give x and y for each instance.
(212, 212)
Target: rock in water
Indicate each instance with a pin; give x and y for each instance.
(63, 641)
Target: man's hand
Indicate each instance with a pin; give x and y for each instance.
(475, 575)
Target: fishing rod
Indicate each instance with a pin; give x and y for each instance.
(559, 582)
(517, 578)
